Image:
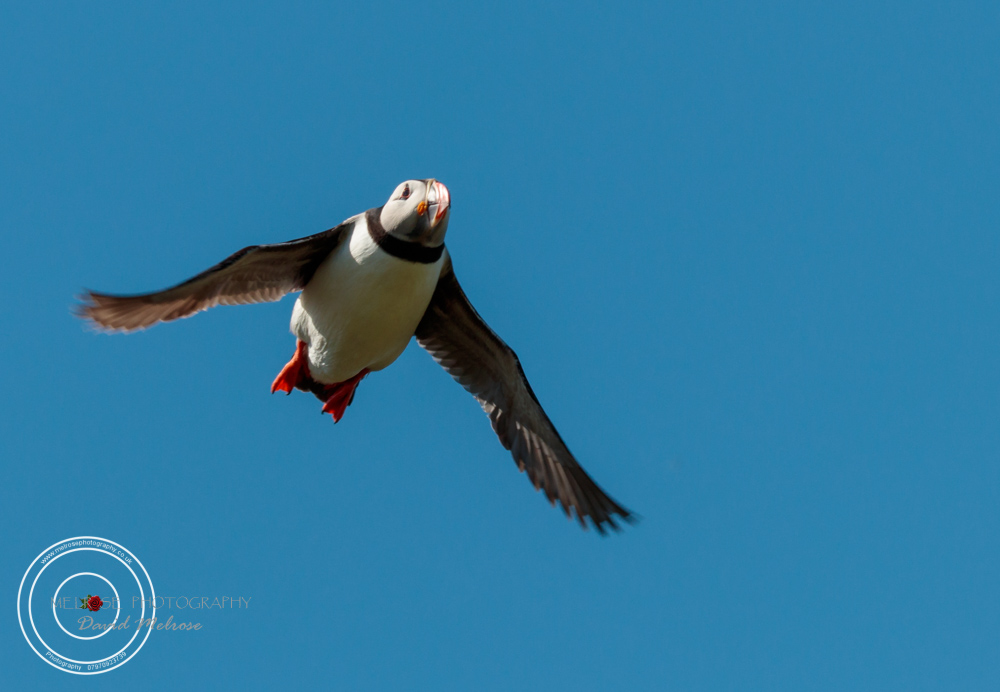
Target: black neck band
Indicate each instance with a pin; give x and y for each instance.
(403, 249)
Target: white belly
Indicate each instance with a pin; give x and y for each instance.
(361, 308)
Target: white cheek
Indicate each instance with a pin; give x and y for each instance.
(394, 217)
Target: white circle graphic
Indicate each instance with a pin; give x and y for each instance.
(31, 615)
(101, 546)
(55, 598)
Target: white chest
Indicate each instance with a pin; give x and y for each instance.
(361, 307)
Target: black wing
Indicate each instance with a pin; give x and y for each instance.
(255, 274)
(464, 345)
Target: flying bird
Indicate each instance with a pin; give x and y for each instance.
(366, 287)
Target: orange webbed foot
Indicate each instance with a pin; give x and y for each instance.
(296, 371)
(340, 395)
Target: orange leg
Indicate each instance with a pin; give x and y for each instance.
(340, 395)
(295, 372)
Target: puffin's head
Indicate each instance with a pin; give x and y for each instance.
(418, 211)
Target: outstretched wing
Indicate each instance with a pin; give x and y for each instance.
(464, 345)
(255, 274)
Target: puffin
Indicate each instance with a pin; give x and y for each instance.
(366, 287)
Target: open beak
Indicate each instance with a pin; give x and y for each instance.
(438, 202)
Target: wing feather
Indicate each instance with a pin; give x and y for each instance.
(463, 344)
(255, 274)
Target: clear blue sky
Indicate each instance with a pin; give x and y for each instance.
(747, 252)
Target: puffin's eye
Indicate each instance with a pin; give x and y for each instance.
(406, 193)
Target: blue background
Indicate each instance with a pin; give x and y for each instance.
(747, 253)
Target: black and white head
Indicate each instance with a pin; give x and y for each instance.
(417, 212)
